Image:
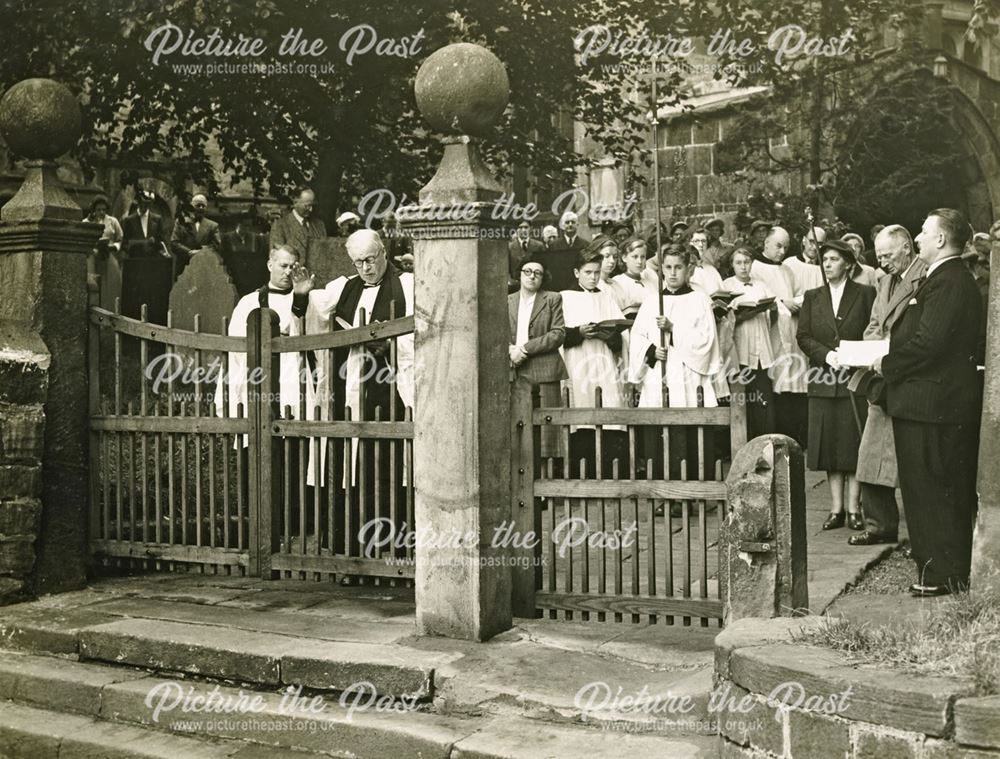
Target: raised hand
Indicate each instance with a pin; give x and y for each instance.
(302, 280)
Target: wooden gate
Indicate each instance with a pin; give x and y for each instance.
(625, 538)
(179, 482)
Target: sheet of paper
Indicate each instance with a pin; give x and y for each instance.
(861, 352)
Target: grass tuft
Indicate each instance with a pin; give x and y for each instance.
(957, 637)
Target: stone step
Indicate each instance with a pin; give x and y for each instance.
(85, 709)
(27, 731)
(249, 656)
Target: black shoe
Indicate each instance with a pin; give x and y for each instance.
(869, 538)
(855, 521)
(834, 521)
(929, 591)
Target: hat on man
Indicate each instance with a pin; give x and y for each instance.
(347, 216)
(760, 223)
(715, 223)
(844, 248)
(678, 225)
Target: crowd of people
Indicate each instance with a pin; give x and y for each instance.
(703, 322)
(678, 318)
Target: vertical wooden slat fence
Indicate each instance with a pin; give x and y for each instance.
(628, 544)
(179, 482)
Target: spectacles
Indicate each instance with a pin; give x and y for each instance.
(533, 272)
(361, 263)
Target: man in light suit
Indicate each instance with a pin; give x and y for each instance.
(192, 236)
(297, 228)
(877, 470)
(934, 399)
(522, 247)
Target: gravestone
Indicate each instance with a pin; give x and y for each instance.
(328, 259)
(205, 289)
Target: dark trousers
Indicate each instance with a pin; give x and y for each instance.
(937, 474)
(791, 416)
(881, 513)
(376, 494)
(682, 455)
(583, 451)
(758, 395)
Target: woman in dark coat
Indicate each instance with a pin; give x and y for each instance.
(839, 310)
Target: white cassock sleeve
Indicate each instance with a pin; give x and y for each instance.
(234, 372)
(694, 335)
(644, 333)
(322, 303)
(404, 348)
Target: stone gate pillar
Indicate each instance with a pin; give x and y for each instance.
(986, 542)
(43, 285)
(462, 405)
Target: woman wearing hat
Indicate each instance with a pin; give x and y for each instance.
(838, 310)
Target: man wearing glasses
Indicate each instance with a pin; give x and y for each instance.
(362, 378)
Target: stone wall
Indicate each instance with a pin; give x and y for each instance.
(695, 183)
(24, 367)
(789, 700)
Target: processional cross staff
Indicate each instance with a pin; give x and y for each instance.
(654, 123)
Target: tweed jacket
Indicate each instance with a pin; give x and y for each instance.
(288, 231)
(546, 332)
(877, 453)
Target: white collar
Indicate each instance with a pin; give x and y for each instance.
(936, 264)
(839, 287)
(298, 218)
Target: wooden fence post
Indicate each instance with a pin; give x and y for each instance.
(263, 473)
(525, 520)
(763, 568)
(94, 409)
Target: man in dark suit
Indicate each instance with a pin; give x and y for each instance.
(522, 247)
(560, 260)
(143, 232)
(877, 470)
(194, 235)
(147, 266)
(297, 228)
(934, 399)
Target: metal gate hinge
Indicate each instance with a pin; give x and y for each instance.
(749, 546)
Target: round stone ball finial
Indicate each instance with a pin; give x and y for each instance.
(40, 119)
(462, 89)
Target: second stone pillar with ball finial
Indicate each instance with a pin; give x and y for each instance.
(462, 405)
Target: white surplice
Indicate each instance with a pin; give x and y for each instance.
(591, 364)
(291, 366)
(752, 338)
(693, 355)
(790, 363)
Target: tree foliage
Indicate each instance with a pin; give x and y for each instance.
(345, 130)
